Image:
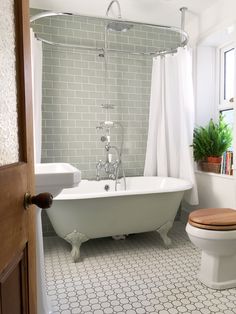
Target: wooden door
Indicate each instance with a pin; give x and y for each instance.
(17, 225)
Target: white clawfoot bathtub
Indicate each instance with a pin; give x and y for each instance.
(94, 209)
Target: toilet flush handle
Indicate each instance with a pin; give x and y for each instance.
(42, 200)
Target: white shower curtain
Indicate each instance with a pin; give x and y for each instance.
(171, 120)
(36, 60)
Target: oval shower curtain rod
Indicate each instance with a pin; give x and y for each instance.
(180, 31)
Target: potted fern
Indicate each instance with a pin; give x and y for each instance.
(210, 142)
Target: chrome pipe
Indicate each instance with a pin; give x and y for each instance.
(183, 11)
(109, 19)
(183, 34)
(101, 50)
(53, 43)
(47, 14)
(118, 5)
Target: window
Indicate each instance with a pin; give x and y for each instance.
(227, 78)
(226, 99)
(229, 74)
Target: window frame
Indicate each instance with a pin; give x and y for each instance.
(224, 104)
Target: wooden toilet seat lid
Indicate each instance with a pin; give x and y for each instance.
(213, 218)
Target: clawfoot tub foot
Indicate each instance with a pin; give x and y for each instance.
(76, 238)
(163, 231)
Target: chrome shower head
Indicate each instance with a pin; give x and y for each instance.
(116, 26)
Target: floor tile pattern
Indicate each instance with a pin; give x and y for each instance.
(136, 275)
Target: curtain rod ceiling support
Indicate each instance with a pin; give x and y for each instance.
(183, 11)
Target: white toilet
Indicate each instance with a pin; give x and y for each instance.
(213, 230)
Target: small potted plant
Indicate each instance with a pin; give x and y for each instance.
(210, 142)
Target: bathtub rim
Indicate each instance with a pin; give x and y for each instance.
(185, 185)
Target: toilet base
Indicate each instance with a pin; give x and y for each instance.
(218, 272)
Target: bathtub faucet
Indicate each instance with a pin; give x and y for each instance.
(111, 168)
(99, 166)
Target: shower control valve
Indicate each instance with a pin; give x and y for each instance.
(103, 138)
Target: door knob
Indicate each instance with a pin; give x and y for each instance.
(42, 200)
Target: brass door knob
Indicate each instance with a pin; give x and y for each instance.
(42, 200)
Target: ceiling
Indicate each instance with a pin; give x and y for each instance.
(196, 6)
(164, 12)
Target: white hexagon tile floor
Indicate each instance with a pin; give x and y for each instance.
(136, 275)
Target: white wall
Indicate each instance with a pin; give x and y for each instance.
(214, 190)
(205, 98)
(216, 27)
(213, 19)
(217, 17)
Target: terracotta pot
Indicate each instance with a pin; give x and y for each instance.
(214, 160)
(209, 166)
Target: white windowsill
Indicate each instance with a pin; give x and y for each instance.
(224, 176)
